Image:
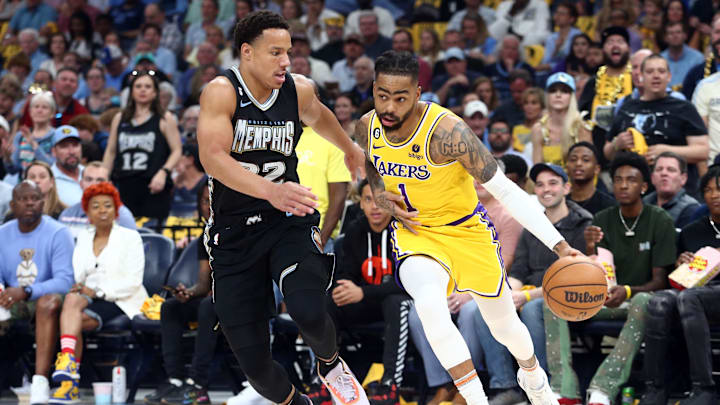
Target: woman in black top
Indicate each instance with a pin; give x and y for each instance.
(143, 148)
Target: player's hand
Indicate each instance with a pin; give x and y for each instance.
(685, 258)
(616, 296)
(157, 183)
(563, 249)
(593, 234)
(346, 293)
(355, 162)
(456, 300)
(293, 198)
(395, 206)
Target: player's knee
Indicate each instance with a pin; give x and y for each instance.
(436, 321)
(504, 329)
(313, 273)
(307, 317)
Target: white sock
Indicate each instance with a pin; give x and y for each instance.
(598, 397)
(535, 376)
(176, 382)
(471, 389)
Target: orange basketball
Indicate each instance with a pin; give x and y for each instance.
(574, 288)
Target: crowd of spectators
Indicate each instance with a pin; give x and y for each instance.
(606, 110)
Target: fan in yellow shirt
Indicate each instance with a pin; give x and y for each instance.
(321, 167)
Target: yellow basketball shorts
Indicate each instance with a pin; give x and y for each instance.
(469, 251)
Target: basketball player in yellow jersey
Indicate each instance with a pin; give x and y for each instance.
(422, 161)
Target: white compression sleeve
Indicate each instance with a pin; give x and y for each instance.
(523, 209)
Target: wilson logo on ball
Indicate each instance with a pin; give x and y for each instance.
(582, 298)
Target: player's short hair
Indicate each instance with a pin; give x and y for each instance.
(252, 26)
(398, 64)
(632, 159)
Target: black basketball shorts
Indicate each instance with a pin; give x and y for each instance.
(247, 254)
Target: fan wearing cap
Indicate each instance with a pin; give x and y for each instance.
(662, 122)
(67, 169)
(332, 51)
(453, 85)
(613, 81)
(562, 126)
(343, 70)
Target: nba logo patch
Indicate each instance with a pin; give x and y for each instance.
(416, 148)
(376, 133)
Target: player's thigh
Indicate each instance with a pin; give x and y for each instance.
(243, 296)
(298, 263)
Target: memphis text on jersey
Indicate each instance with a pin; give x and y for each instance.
(276, 136)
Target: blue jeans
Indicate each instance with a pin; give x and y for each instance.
(532, 316)
(435, 373)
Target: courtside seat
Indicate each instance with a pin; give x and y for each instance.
(183, 271)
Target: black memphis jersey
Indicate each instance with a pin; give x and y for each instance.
(264, 140)
(141, 149)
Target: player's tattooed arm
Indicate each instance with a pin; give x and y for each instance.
(390, 202)
(373, 177)
(454, 140)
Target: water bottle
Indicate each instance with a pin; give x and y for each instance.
(119, 382)
(628, 396)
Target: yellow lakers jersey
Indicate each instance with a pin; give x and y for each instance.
(442, 194)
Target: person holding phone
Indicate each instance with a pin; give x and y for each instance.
(188, 304)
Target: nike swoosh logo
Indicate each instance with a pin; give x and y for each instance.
(245, 104)
(378, 147)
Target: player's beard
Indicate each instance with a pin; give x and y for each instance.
(623, 61)
(398, 123)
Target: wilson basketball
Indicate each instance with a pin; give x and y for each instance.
(574, 288)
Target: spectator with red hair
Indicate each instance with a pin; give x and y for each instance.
(109, 262)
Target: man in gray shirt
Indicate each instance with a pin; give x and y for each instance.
(75, 218)
(669, 176)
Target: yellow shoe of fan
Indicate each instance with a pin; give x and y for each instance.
(67, 393)
(66, 368)
(640, 146)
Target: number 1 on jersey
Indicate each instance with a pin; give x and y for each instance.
(410, 208)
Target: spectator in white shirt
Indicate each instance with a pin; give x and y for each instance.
(528, 19)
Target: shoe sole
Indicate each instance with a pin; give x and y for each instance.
(72, 401)
(60, 376)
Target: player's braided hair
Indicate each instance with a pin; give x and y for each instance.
(253, 25)
(397, 63)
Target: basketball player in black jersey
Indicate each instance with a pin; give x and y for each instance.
(263, 224)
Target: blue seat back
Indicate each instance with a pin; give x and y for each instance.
(159, 255)
(185, 269)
